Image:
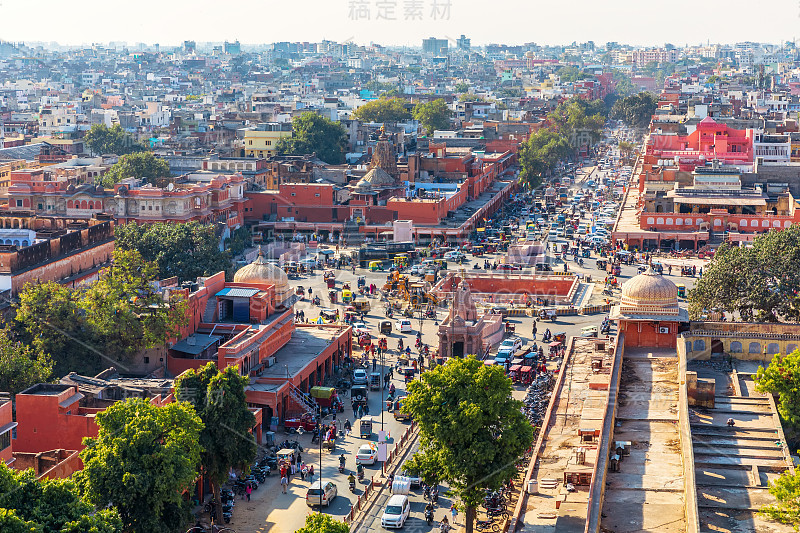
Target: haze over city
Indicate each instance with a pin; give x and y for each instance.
(500, 21)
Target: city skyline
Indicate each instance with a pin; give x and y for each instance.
(366, 21)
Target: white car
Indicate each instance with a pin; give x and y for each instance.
(404, 326)
(396, 513)
(596, 239)
(514, 343)
(360, 377)
(367, 454)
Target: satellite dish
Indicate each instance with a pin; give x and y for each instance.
(171, 187)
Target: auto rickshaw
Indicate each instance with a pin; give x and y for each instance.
(560, 337)
(374, 266)
(477, 251)
(408, 372)
(526, 375)
(330, 279)
(361, 305)
(602, 263)
(328, 315)
(386, 327)
(510, 328)
(347, 296)
(365, 427)
(332, 296)
(514, 373)
(401, 261)
(300, 291)
(681, 290)
(362, 282)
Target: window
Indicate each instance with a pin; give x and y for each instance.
(659, 221)
(669, 222)
(736, 347)
(790, 348)
(678, 221)
(293, 194)
(19, 203)
(146, 360)
(149, 207)
(765, 223)
(317, 195)
(772, 348)
(699, 345)
(5, 440)
(754, 347)
(40, 206)
(743, 223)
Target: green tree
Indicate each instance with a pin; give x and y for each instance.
(48, 506)
(471, 430)
(21, 365)
(142, 165)
(383, 110)
(577, 117)
(570, 74)
(142, 459)
(184, 250)
(786, 490)
(635, 110)
(312, 133)
(540, 154)
(114, 140)
(433, 115)
(219, 399)
(461, 87)
(323, 523)
(782, 377)
(760, 283)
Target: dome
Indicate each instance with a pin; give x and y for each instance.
(377, 177)
(649, 293)
(260, 271)
(363, 187)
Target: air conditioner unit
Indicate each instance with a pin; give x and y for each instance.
(663, 329)
(271, 361)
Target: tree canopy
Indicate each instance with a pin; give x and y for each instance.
(635, 110)
(461, 87)
(219, 399)
(570, 74)
(383, 110)
(142, 459)
(471, 430)
(143, 165)
(323, 523)
(312, 133)
(184, 250)
(760, 283)
(786, 491)
(21, 365)
(48, 506)
(579, 120)
(434, 115)
(106, 323)
(782, 377)
(114, 140)
(540, 154)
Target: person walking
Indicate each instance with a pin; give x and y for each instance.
(454, 511)
(284, 484)
(247, 491)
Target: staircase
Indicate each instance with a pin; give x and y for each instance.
(351, 233)
(303, 400)
(210, 311)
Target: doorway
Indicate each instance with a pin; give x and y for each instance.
(458, 349)
(716, 346)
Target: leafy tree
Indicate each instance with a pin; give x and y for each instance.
(786, 490)
(462, 87)
(471, 430)
(239, 240)
(624, 86)
(142, 459)
(219, 400)
(312, 133)
(761, 282)
(627, 149)
(570, 74)
(782, 377)
(107, 322)
(635, 110)
(540, 154)
(433, 115)
(578, 116)
(470, 97)
(114, 140)
(142, 165)
(383, 110)
(323, 523)
(185, 250)
(48, 506)
(21, 365)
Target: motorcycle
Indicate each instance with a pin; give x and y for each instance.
(429, 516)
(316, 301)
(486, 525)
(353, 486)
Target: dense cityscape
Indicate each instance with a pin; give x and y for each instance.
(328, 287)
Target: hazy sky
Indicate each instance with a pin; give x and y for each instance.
(169, 22)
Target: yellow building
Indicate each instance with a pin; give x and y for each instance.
(262, 141)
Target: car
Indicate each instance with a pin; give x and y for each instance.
(360, 377)
(589, 331)
(412, 478)
(515, 343)
(454, 255)
(505, 266)
(396, 512)
(503, 355)
(404, 326)
(367, 454)
(417, 270)
(596, 239)
(317, 495)
(542, 267)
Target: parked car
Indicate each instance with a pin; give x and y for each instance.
(396, 513)
(404, 326)
(505, 266)
(360, 376)
(515, 343)
(317, 495)
(367, 454)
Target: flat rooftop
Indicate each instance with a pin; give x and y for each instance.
(306, 345)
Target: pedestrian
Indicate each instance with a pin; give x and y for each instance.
(347, 426)
(284, 483)
(374, 361)
(302, 472)
(248, 490)
(453, 511)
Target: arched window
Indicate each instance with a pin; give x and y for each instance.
(699, 345)
(669, 222)
(678, 221)
(649, 220)
(69, 204)
(688, 346)
(765, 223)
(754, 347)
(83, 204)
(25, 242)
(717, 222)
(787, 223)
(773, 348)
(736, 347)
(790, 348)
(91, 205)
(743, 223)
(659, 221)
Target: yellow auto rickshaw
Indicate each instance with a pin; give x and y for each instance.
(374, 266)
(347, 296)
(361, 305)
(681, 290)
(401, 261)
